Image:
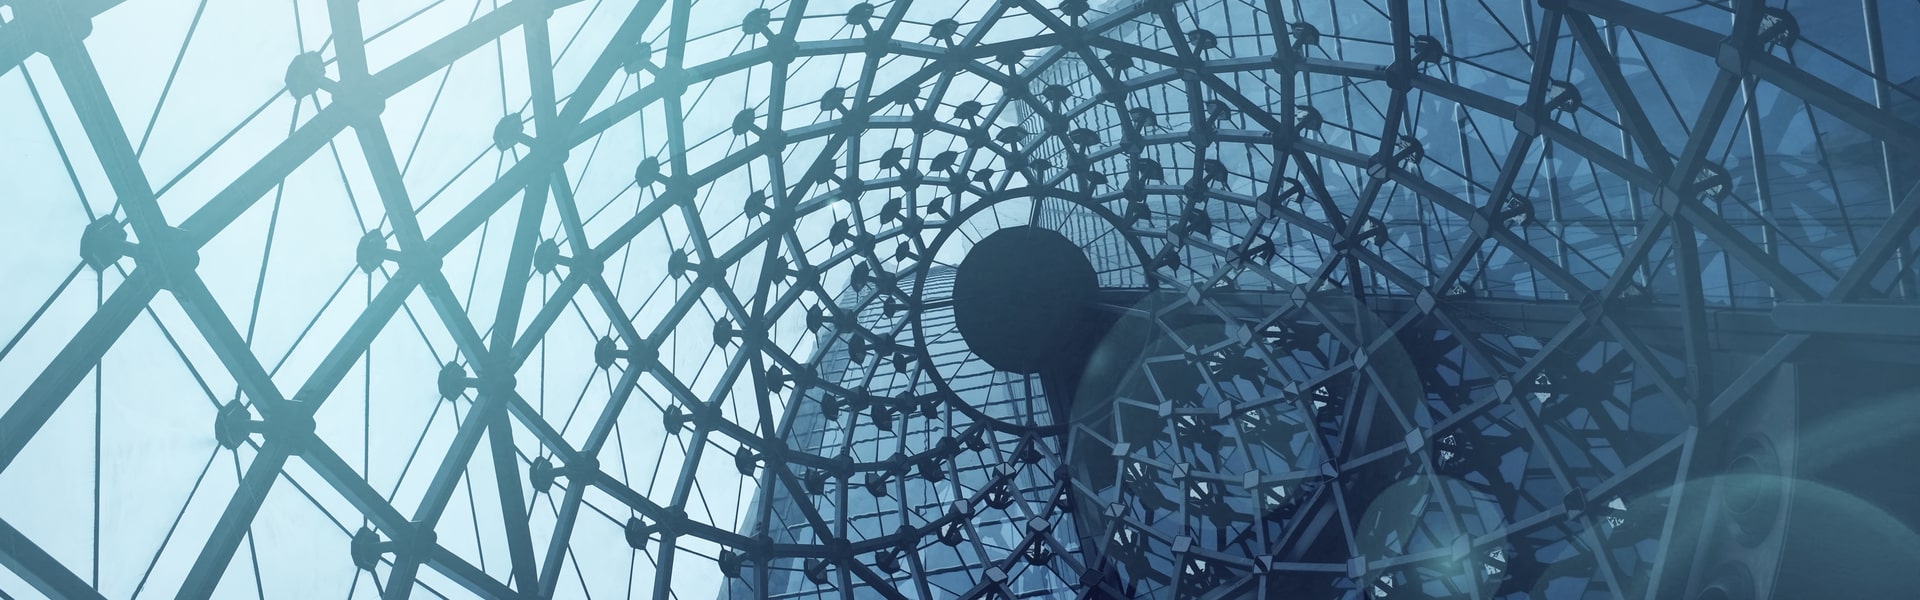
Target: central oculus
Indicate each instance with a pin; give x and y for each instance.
(1021, 299)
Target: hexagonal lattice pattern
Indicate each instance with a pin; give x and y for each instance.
(710, 347)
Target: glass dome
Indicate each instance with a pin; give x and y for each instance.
(1394, 299)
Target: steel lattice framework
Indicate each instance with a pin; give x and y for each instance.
(1425, 299)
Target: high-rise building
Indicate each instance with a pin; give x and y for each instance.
(983, 487)
(971, 299)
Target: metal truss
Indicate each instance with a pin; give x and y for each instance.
(1386, 285)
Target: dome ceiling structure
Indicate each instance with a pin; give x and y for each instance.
(1395, 299)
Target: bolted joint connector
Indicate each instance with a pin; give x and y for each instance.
(1285, 61)
(758, 21)
(372, 251)
(724, 334)
(234, 424)
(307, 74)
(542, 472)
(104, 242)
(639, 532)
(606, 351)
(546, 256)
(1562, 97)
(730, 563)
(1304, 35)
(1428, 50)
(674, 420)
(877, 484)
(680, 264)
(953, 533)
(816, 570)
(1074, 9)
(815, 481)
(744, 123)
(887, 560)
(745, 461)
(861, 15)
(509, 132)
(367, 548)
(639, 58)
(454, 381)
(999, 497)
(647, 172)
(1038, 554)
(945, 30)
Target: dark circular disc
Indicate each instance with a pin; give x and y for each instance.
(1020, 299)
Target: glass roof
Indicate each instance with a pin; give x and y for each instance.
(302, 293)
